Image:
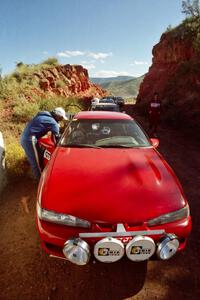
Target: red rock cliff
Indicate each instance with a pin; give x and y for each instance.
(174, 74)
(67, 80)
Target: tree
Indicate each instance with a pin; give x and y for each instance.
(169, 28)
(19, 64)
(51, 61)
(191, 8)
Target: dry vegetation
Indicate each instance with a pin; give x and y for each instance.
(18, 104)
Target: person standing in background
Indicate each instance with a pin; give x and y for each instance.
(154, 114)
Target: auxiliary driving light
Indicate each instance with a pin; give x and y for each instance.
(168, 246)
(109, 250)
(77, 251)
(140, 248)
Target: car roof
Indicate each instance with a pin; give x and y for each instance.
(102, 115)
(106, 100)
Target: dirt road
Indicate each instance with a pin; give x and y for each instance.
(28, 273)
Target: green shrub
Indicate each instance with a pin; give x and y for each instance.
(16, 87)
(69, 104)
(23, 112)
(60, 83)
(52, 61)
(8, 87)
(18, 76)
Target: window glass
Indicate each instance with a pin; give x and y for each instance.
(104, 133)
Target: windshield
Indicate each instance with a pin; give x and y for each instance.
(104, 133)
(106, 107)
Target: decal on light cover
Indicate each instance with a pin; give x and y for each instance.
(108, 252)
(140, 250)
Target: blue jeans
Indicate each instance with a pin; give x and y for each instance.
(33, 154)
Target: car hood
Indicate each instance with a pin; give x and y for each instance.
(111, 185)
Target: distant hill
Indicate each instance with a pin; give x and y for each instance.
(121, 86)
(102, 80)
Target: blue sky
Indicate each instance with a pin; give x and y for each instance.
(108, 37)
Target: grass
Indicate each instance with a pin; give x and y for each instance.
(130, 101)
(16, 162)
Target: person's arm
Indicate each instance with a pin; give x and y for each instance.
(55, 133)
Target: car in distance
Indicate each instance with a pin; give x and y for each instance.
(117, 100)
(107, 192)
(105, 104)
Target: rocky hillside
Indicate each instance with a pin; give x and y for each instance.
(67, 80)
(32, 88)
(175, 74)
(47, 80)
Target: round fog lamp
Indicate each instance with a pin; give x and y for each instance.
(77, 251)
(140, 248)
(167, 246)
(109, 250)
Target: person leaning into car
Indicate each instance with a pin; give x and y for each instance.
(39, 126)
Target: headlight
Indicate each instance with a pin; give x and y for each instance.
(170, 217)
(63, 219)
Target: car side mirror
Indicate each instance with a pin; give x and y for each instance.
(154, 142)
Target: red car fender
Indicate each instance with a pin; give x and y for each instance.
(48, 146)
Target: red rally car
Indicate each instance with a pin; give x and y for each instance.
(106, 191)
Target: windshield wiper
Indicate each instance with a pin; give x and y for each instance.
(117, 146)
(82, 146)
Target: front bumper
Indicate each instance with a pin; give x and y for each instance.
(53, 237)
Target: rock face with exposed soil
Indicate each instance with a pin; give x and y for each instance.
(67, 80)
(175, 75)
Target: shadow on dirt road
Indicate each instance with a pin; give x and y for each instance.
(28, 273)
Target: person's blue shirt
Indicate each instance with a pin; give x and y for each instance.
(40, 125)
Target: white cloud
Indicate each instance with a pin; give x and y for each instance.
(45, 52)
(99, 55)
(94, 55)
(111, 74)
(88, 66)
(87, 61)
(70, 53)
(136, 62)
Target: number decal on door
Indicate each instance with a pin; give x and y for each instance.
(47, 154)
